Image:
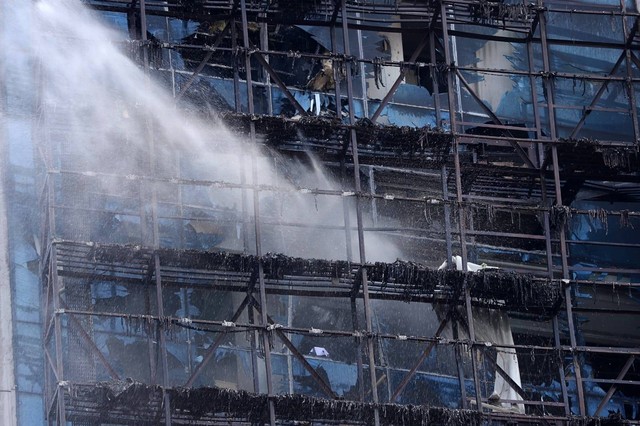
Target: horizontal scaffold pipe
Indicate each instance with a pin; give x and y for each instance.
(408, 279)
(497, 206)
(138, 321)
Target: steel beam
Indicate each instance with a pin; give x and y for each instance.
(416, 366)
(361, 244)
(534, 104)
(521, 152)
(295, 352)
(358, 340)
(47, 356)
(274, 76)
(461, 379)
(507, 378)
(58, 333)
(212, 349)
(633, 106)
(204, 61)
(614, 387)
(596, 98)
(462, 221)
(456, 153)
(403, 71)
(163, 342)
(556, 177)
(550, 274)
(91, 345)
(53, 404)
(256, 212)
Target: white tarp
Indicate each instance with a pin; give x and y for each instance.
(493, 326)
(319, 351)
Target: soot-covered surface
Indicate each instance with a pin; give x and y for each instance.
(426, 146)
(130, 402)
(405, 280)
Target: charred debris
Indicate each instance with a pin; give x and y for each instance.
(211, 404)
(422, 157)
(509, 290)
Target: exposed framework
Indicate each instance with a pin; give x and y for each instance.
(436, 173)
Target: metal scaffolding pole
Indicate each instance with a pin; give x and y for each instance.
(550, 91)
(462, 213)
(256, 213)
(502, 188)
(359, 220)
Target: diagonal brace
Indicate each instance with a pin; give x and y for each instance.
(91, 344)
(294, 351)
(513, 384)
(403, 71)
(521, 152)
(212, 349)
(507, 378)
(603, 87)
(425, 354)
(274, 76)
(635, 59)
(204, 62)
(614, 387)
(596, 98)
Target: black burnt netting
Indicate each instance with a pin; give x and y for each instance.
(376, 212)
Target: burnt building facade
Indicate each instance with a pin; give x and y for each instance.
(324, 212)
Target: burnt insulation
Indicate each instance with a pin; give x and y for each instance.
(131, 402)
(518, 291)
(210, 402)
(559, 217)
(590, 157)
(296, 9)
(490, 12)
(425, 144)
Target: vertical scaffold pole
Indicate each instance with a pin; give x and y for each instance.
(256, 213)
(549, 90)
(462, 213)
(358, 189)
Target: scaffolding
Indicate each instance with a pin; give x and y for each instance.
(485, 179)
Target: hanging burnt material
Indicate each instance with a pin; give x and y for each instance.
(125, 395)
(209, 403)
(278, 265)
(493, 12)
(129, 402)
(425, 145)
(519, 291)
(377, 72)
(320, 128)
(601, 216)
(516, 291)
(220, 261)
(491, 214)
(590, 158)
(296, 9)
(278, 131)
(614, 419)
(624, 219)
(119, 254)
(620, 158)
(559, 217)
(429, 144)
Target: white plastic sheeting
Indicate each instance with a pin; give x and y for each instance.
(493, 326)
